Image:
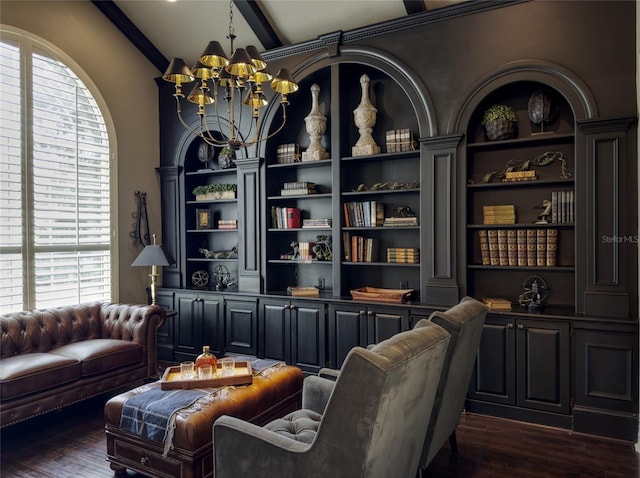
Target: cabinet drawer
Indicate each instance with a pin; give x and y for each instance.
(145, 461)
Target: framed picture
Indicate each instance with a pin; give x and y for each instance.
(203, 219)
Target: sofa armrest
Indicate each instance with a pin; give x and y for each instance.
(136, 323)
(329, 373)
(316, 392)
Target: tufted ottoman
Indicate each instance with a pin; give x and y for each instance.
(269, 397)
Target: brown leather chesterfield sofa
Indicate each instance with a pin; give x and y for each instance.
(51, 358)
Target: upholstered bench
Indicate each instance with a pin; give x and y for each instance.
(271, 395)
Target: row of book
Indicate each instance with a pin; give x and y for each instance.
(403, 255)
(519, 247)
(359, 248)
(499, 214)
(399, 140)
(285, 217)
(400, 221)
(363, 214)
(296, 188)
(287, 153)
(562, 206)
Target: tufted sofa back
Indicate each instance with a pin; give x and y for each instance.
(46, 329)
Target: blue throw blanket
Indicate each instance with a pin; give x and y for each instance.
(151, 413)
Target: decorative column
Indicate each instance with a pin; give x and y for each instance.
(364, 117)
(316, 126)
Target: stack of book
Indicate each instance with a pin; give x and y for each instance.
(359, 249)
(301, 291)
(316, 223)
(403, 255)
(399, 140)
(499, 214)
(497, 303)
(519, 247)
(298, 188)
(227, 224)
(363, 214)
(514, 176)
(400, 221)
(562, 206)
(285, 217)
(287, 153)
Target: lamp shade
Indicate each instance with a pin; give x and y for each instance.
(153, 255)
(178, 72)
(283, 82)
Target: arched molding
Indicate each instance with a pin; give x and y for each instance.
(563, 80)
(370, 57)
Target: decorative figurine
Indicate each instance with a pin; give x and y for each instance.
(365, 119)
(534, 292)
(227, 158)
(223, 277)
(543, 217)
(322, 248)
(542, 109)
(316, 125)
(206, 152)
(200, 279)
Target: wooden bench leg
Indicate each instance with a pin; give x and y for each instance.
(453, 443)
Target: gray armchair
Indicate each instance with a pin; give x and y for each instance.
(370, 422)
(464, 322)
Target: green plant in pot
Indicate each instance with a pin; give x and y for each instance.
(215, 191)
(500, 122)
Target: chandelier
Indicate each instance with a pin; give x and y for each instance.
(240, 79)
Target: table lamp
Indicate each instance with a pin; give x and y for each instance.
(155, 256)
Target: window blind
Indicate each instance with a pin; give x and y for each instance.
(59, 244)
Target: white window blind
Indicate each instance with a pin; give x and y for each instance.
(55, 244)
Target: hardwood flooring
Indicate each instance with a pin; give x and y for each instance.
(70, 443)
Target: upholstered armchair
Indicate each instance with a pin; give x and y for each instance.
(371, 422)
(464, 322)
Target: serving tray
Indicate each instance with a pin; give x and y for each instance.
(172, 380)
(382, 295)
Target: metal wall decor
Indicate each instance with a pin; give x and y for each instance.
(140, 233)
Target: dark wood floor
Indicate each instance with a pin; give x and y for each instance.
(71, 443)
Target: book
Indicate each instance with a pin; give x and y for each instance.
(499, 214)
(299, 184)
(346, 246)
(552, 247)
(287, 153)
(497, 303)
(293, 217)
(300, 291)
(541, 247)
(503, 258)
(512, 247)
(316, 223)
(521, 239)
(531, 248)
(484, 247)
(297, 192)
(492, 235)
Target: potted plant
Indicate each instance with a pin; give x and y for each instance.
(209, 192)
(500, 122)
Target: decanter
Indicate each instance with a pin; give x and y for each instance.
(206, 358)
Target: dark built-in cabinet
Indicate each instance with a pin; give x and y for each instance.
(572, 363)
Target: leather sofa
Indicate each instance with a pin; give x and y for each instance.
(51, 358)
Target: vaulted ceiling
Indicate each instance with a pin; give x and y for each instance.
(164, 29)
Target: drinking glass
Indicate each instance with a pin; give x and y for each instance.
(205, 371)
(228, 366)
(187, 370)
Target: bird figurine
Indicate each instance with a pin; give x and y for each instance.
(543, 217)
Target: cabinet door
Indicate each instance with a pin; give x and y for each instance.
(274, 329)
(188, 327)
(347, 329)
(494, 377)
(543, 365)
(212, 309)
(383, 323)
(308, 331)
(241, 325)
(165, 333)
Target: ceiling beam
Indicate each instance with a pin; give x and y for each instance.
(414, 6)
(258, 23)
(135, 36)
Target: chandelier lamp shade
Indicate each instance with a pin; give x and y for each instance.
(238, 81)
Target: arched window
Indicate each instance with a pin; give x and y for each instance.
(55, 181)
